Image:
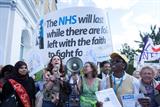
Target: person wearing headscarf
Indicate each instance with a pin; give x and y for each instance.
(21, 85)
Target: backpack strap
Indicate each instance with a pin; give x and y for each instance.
(20, 90)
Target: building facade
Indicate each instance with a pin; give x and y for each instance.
(18, 20)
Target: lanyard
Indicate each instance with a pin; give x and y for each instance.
(116, 88)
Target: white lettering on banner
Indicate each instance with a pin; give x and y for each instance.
(148, 56)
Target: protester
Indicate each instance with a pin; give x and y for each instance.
(39, 83)
(22, 85)
(105, 72)
(6, 73)
(157, 76)
(120, 81)
(88, 85)
(136, 74)
(105, 69)
(56, 89)
(74, 97)
(148, 87)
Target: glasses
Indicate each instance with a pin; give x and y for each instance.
(117, 61)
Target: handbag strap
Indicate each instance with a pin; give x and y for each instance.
(20, 90)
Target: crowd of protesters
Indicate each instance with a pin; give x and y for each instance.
(58, 88)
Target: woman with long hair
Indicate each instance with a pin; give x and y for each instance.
(56, 89)
(88, 85)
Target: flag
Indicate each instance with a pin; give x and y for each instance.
(149, 52)
(145, 40)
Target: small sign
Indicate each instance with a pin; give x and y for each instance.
(128, 100)
(108, 98)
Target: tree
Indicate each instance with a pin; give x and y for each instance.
(129, 52)
(154, 35)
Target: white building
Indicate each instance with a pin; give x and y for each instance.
(18, 20)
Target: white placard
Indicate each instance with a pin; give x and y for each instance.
(129, 100)
(108, 98)
(82, 32)
(34, 61)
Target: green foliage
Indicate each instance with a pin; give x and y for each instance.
(129, 52)
(154, 35)
(38, 75)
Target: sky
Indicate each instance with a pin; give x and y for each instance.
(127, 18)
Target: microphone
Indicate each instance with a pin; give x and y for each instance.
(55, 71)
(56, 68)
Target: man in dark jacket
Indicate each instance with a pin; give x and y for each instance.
(105, 69)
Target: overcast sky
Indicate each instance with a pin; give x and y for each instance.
(130, 17)
(127, 17)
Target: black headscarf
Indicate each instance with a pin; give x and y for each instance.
(26, 81)
(18, 76)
